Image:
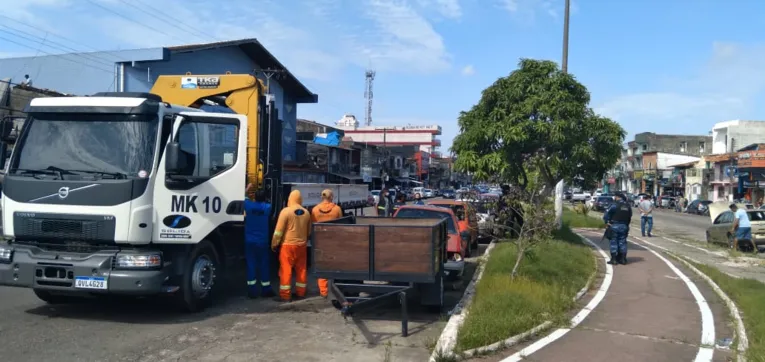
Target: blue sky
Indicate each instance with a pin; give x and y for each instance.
(663, 66)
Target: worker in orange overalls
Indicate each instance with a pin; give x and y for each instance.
(292, 231)
(325, 211)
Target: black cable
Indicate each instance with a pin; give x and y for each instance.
(59, 55)
(132, 20)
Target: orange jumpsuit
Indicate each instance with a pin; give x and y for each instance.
(292, 231)
(325, 211)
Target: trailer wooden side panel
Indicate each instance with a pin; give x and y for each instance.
(380, 249)
(341, 248)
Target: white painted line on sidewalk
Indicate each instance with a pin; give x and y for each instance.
(578, 318)
(706, 350)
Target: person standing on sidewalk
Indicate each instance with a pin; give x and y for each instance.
(646, 215)
(327, 210)
(617, 219)
(257, 255)
(384, 203)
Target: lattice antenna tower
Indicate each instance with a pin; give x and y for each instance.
(369, 95)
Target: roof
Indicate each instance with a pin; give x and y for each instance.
(685, 164)
(260, 55)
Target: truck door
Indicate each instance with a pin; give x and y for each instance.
(203, 192)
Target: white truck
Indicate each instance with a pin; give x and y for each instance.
(126, 194)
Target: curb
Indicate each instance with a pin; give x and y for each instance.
(448, 337)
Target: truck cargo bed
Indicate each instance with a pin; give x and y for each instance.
(380, 249)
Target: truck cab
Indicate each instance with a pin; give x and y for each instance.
(121, 194)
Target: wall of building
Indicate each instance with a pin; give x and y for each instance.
(75, 73)
(666, 160)
(732, 135)
(674, 144)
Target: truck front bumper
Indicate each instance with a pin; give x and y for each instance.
(89, 273)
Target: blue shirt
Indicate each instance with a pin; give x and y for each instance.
(419, 202)
(256, 221)
(743, 219)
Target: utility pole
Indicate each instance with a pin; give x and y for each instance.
(564, 67)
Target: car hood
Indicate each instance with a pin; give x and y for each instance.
(719, 207)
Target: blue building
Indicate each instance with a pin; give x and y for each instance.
(136, 70)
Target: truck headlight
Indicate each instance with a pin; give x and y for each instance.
(138, 261)
(6, 254)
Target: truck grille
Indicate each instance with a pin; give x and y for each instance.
(63, 227)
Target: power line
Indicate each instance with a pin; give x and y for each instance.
(132, 20)
(59, 55)
(54, 45)
(174, 24)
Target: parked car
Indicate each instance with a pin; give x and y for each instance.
(581, 196)
(698, 207)
(427, 193)
(448, 194)
(667, 202)
(602, 203)
(722, 219)
(458, 246)
(466, 217)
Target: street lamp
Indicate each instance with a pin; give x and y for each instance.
(564, 67)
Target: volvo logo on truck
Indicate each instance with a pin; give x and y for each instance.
(63, 192)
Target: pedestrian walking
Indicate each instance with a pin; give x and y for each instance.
(292, 231)
(325, 211)
(645, 206)
(679, 204)
(617, 219)
(257, 255)
(742, 228)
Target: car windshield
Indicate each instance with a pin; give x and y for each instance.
(87, 143)
(376, 193)
(605, 199)
(429, 214)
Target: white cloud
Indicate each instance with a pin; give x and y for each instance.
(726, 87)
(446, 8)
(468, 70)
(530, 8)
(315, 39)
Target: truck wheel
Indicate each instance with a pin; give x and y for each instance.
(198, 279)
(51, 298)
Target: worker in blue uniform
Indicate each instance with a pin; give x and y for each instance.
(617, 219)
(257, 245)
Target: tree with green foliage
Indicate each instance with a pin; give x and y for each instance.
(536, 125)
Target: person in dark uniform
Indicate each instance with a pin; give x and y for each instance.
(384, 204)
(618, 218)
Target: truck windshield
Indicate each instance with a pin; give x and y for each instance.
(100, 144)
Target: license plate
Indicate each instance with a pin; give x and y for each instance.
(90, 283)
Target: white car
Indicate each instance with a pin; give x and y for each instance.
(427, 193)
(376, 195)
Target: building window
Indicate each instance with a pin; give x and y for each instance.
(701, 147)
(683, 146)
(645, 147)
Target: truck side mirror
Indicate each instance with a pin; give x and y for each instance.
(6, 130)
(173, 158)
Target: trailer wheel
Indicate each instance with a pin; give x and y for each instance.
(198, 285)
(52, 298)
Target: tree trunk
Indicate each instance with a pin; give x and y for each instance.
(518, 259)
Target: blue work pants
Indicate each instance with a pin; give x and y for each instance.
(258, 256)
(618, 242)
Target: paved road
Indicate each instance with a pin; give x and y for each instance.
(648, 313)
(236, 328)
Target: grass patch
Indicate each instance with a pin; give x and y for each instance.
(748, 294)
(574, 220)
(548, 280)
